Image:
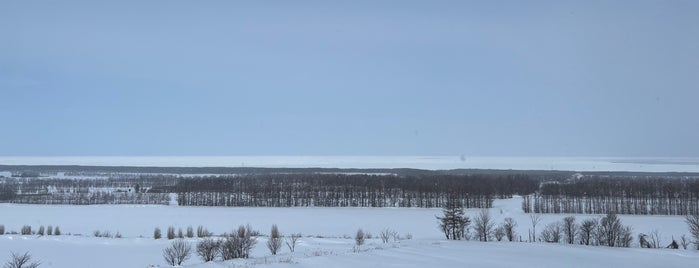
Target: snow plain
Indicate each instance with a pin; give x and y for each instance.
(418, 162)
(327, 238)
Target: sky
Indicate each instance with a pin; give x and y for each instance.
(474, 78)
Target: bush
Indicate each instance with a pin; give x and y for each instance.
(156, 233)
(207, 249)
(26, 230)
(21, 261)
(170, 233)
(202, 232)
(49, 230)
(552, 233)
(41, 230)
(275, 240)
(179, 233)
(190, 232)
(2, 229)
(359, 238)
(239, 244)
(57, 231)
(178, 252)
(117, 235)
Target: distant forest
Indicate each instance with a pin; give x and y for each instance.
(543, 191)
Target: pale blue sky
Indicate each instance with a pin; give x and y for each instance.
(479, 78)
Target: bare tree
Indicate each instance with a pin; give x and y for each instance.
(693, 224)
(535, 219)
(207, 249)
(610, 227)
(156, 233)
(21, 261)
(587, 229)
(291, 241)
(178, 252)
(454, 224)
(570, 229)
(275, 240)
(483, 225)
(509, 226)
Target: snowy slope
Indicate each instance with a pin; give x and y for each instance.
(327, 238)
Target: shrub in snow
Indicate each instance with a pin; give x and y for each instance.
(57, 231)
(178, 252)
(41, 230)
(385, 235)
(551, 233)
(275, 240)
(207, 249)
(238, 244)
(156, 233)
(684, 241)
(96, 233)
(26, 230)
(21, 261)
(202, 232)
(292, 240)
(190, 232)
(117, 235)
(179, 233)
(2, 229)
(359, 238)
(49, 230)
(170, 233)
(499, 233)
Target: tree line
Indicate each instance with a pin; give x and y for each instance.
(601, 195)
(350, 190)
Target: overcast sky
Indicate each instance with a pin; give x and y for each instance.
(475, 78)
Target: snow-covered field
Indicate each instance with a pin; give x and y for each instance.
(419, 162)
(327, 238)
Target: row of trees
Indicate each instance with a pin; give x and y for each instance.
(27, 230)
(606, 231)
(601, 195)
(342, 190)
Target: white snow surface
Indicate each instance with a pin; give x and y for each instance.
(420, 162)
(327, 238)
